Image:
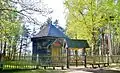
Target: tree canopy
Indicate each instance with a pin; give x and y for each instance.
(89, 19)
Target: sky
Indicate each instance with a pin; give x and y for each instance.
(58, 11)
(56, 5)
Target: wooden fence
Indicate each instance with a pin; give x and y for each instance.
(78, 60)
(30, 62)
(103, 59)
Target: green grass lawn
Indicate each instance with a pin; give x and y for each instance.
(41, 71)
(33, 71)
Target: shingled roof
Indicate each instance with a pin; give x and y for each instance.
(50, 30)
(76, 43)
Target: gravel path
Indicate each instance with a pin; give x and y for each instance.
(92, 70)
(78, 71)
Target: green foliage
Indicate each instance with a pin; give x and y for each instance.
(86, 17)
(10, 27)
(9, 23)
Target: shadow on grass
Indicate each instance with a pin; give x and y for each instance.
(15, 70)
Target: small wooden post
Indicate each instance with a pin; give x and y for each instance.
(108, 59)
(76, 55)
(68, 57)
(44, 67)
(85, 62)
(62, 67)
(53, 67)
(84, 56)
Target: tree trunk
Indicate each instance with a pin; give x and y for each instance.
(109, 44)
(102, 52)
(14, 51)
(1, 45)
(20, 48)
(4, 50)
(9, 48)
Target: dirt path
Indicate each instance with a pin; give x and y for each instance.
(76, 70)
(91, 70)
